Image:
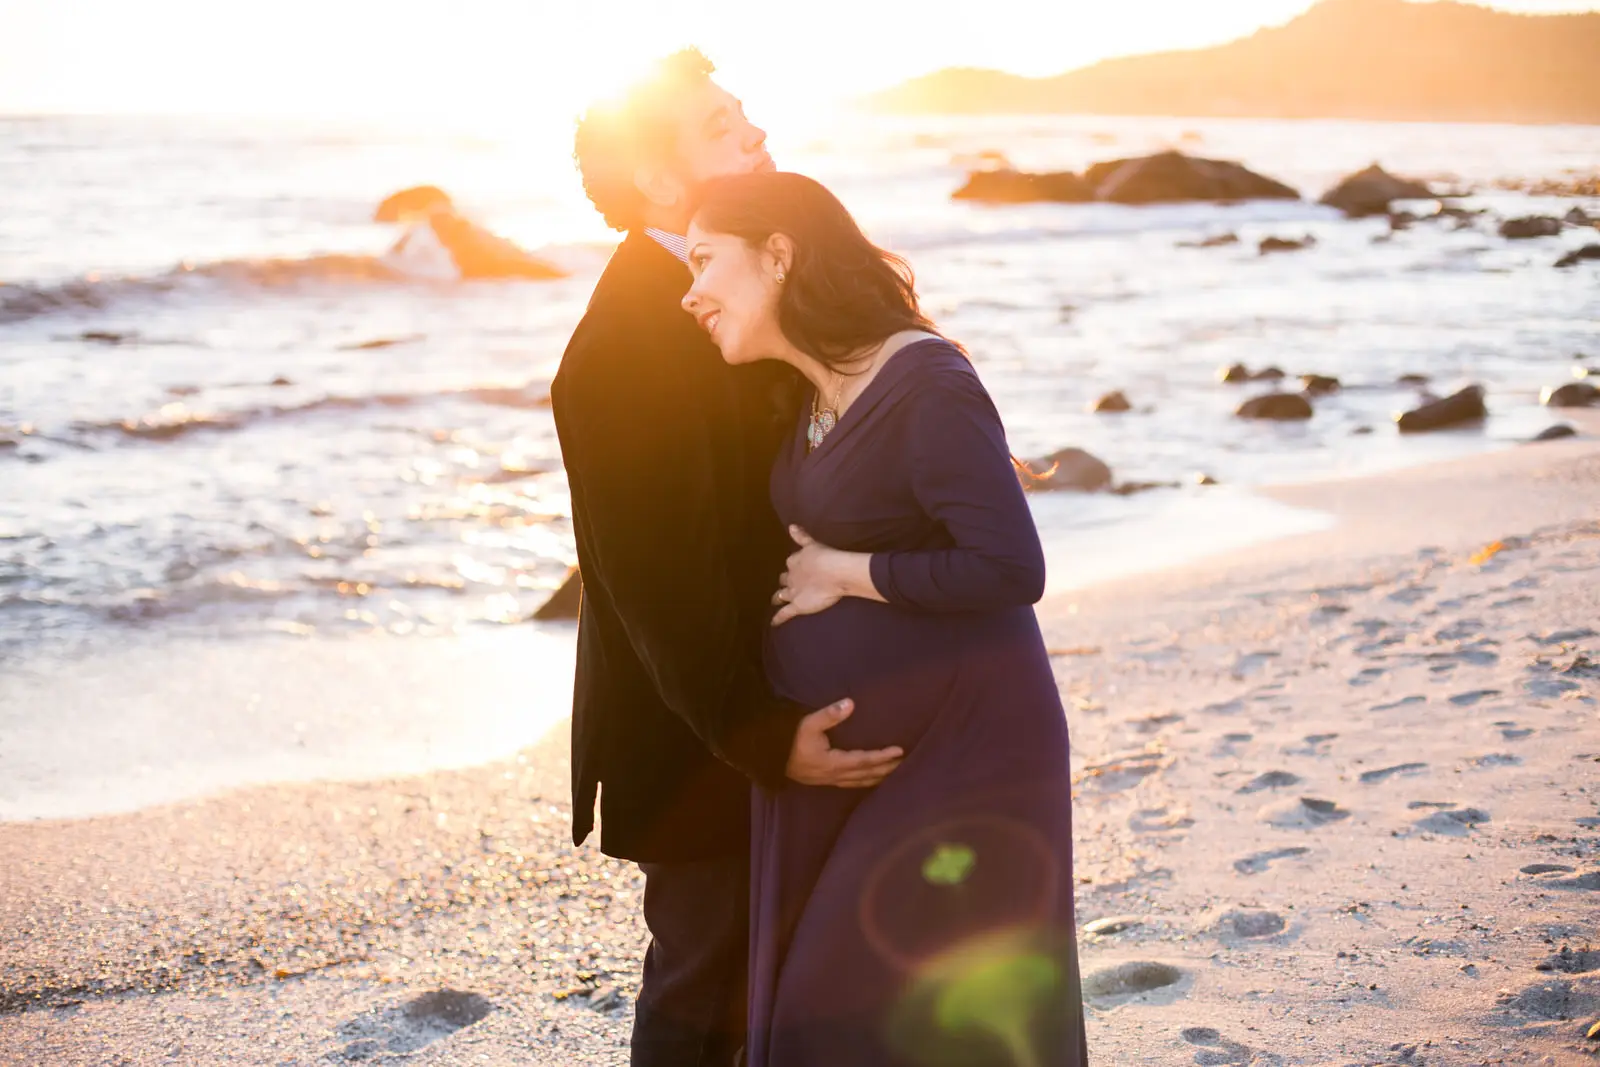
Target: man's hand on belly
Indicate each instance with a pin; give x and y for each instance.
(814, 761)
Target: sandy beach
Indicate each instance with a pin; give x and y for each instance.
(1336, 804)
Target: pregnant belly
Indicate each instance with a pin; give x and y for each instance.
(904, 669)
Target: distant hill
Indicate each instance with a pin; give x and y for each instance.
(1355, 59)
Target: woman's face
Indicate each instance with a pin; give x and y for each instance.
(734, 297)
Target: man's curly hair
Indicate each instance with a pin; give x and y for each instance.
(615, 136)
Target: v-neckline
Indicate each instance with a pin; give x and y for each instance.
(809, 454)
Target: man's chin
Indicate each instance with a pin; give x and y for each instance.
(766, 166)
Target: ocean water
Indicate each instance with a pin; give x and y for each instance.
(217, 417)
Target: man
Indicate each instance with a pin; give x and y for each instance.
(668, 451)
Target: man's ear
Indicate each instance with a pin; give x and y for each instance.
(659, 186)
(780, 253)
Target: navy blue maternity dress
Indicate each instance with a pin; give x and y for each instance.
(927, 921)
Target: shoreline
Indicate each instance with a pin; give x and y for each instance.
(455, 708)
(1432, 701)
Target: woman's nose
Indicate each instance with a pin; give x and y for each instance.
(691, 300)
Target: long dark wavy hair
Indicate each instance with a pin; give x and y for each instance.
(842, 294)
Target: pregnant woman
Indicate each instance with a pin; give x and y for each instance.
(928, 920)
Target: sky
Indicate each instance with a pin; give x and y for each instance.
(488, 62)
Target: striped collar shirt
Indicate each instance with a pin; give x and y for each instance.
(675, 243)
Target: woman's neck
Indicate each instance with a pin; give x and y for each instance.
(828, 380)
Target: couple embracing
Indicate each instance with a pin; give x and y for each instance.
(812, 695)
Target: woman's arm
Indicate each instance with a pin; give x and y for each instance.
(962, 476)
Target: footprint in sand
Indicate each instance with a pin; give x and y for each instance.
(1473, 696)
(1559, 998)
(1270, 780)
(1456, 822)
(1150, 724)
(1368, 676)
(1304, 813)
(1124, 772)
(1246, 924)
(1547, 868)
(1460, 630)
(1260, 861)
(1312, 745)
(1384, 773)
(1159, 820)
(1251, 662)
(1224, 707)
(1569, 962)
(1511, 602)
(1411, 594)
(1214, 1050)
(1228, 744)
(1497, 759)
(1589, 880)
(1403, 702)
(1111, 986)
(413, 1025)
(1510, 731)
(1563, 637)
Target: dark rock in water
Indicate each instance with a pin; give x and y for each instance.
(1112, 402)
(1204, 479)
(1268, 374)
(1412, 379)
(1319, 384)
(477, 253)
(1019, 187)
(1270, 245)
(1071, 469)
(1234, 374)
(1130, 488)
(416, 201)
(1579, 217)
(106, 337)
(1280, 406)
(1571, 395)
(1555, 433)
(1216, 240)
(280, 382)
(1370, 191)
(565, 601)
(1401, 220)
(1578, 255)
(1530, 226)
(1172, 177)
(380, 342)
(1361, 431)
(1465, 406)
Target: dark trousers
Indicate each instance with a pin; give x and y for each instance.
(691, 1009)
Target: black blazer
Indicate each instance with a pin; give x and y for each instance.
(668, 451)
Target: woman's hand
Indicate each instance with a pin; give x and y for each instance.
(817, 577)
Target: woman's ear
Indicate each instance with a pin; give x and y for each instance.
(779, 254)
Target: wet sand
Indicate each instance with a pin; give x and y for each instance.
(1336, 803)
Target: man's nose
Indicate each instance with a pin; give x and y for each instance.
(755, 139)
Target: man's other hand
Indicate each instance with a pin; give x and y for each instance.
(814, 761)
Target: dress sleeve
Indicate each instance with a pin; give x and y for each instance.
(963, 477)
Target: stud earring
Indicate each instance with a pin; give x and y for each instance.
(780, 277)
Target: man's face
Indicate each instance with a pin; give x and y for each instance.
(714, 140)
